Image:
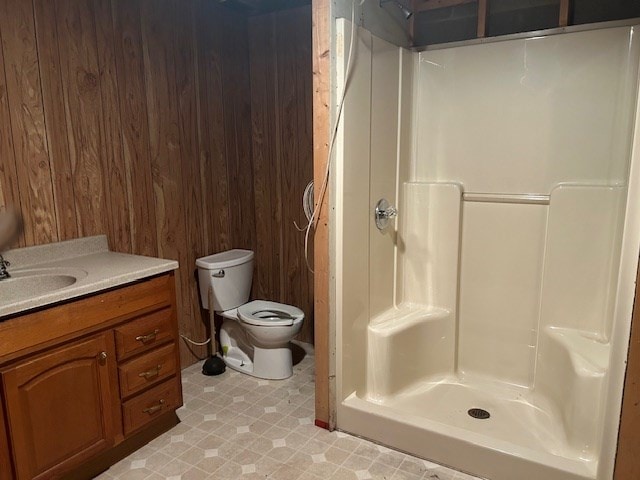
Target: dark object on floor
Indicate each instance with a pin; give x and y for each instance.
(213, 366)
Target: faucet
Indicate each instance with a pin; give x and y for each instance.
(3, 268)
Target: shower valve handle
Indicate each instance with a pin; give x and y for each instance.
(383, 213)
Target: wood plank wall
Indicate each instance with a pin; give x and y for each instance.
(282, 122)
(133, 119)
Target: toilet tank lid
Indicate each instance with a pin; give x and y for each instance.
(230, 258)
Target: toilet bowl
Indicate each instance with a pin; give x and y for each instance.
(255, 336)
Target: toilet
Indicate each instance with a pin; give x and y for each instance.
(255, 336)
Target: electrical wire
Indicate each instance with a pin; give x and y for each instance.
(332, 139)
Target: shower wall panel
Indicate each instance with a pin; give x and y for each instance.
(500, 280)
(522, 116)
(385, 61)
(352, 191)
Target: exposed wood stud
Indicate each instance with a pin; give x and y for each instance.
(482, 18)
(565, 7)
(321, 118)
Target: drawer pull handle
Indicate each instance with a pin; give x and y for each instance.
(154, 372)
(148, 337)
(155, 408)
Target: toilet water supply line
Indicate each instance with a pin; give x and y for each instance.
(323, 189)
(212, 338)
(334, 133)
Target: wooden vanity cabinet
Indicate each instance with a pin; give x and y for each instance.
(60, 406)
(86, 392)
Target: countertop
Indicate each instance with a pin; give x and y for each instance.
(88, 260)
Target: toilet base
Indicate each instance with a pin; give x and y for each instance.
(239, 355)
(269, 363)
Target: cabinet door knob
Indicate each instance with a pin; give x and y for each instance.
(148, 337)
(102, 356)
(155, 408)
(154, 372)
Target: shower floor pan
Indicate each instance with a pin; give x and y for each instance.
(523, 438)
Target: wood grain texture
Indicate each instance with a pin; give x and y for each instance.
(54, 109)
(75, 383)
(321, 125)
(135, 130)
(114, 167)
(24, 89)
(9, 190)
(134, 119)
(6, 469)
(281, 107)
(627, 459)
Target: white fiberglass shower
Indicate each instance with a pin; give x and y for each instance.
(505, 283)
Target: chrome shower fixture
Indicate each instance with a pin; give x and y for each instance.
(406, 12)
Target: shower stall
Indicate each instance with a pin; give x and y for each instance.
(486, 326)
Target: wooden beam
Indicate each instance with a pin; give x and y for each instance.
(565, 6)
(482, 18)
(321, 119)
(433, 4)
(627, 459)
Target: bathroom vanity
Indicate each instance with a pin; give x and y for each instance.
(92, 372)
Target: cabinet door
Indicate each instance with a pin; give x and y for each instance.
(6, 471)
(60, 407)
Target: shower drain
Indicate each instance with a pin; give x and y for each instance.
(478, 413)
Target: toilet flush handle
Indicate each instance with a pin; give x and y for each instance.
(218, 274)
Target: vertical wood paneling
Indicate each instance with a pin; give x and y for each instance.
(54, 109)
(165, 140)
(237, 113)
(213, 152)
(134, 119)
(281, 86)
(80, 79)
(266, 165)
(133, 115)
(27, 120)
(9, 194)
(196, 241)
(114, 168)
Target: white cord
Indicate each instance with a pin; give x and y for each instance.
(213, 326)
(334, 133)
(193, 342)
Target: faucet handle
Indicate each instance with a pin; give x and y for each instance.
(383, 212)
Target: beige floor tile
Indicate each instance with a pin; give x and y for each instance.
(236, 427)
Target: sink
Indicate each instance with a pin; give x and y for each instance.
(32, 283)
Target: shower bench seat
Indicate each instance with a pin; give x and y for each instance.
(413, 341)
(571, 373)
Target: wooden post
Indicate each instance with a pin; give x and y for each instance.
(565, 6)
(482, 18)
(321, 119)
(627, 459)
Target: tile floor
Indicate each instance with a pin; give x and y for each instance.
(238, 427)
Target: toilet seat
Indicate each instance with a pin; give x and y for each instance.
(269, 314)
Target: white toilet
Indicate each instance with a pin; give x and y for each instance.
(254, 336)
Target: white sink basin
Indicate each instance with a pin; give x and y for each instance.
(31, 283)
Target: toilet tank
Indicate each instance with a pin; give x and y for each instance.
(230, 274)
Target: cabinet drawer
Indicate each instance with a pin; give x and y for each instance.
(147, 370)
(144, 333)
(146, 407)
